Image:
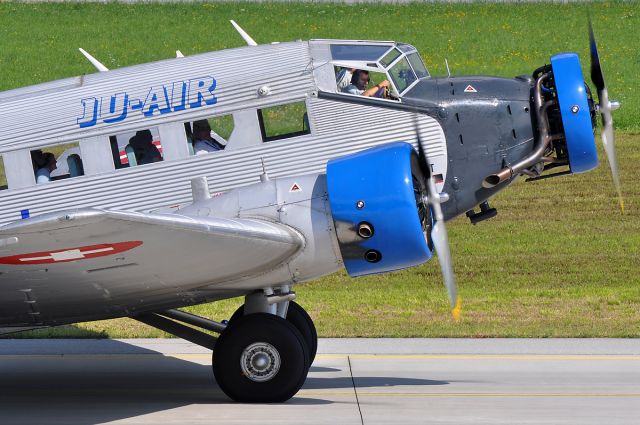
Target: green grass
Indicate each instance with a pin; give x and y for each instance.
(559, 260)
(40, 41)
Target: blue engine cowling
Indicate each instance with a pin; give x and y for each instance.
(375, 211)
(575, 112)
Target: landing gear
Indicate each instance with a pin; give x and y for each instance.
(260, 358)
(298, 317)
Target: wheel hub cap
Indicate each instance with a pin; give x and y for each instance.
(260, 362)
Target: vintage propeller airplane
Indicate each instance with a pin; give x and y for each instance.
(270, 173)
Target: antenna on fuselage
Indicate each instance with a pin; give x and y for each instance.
(95, 62)
(446, 63)
(264, 177)
(179, 54)
(246, 37)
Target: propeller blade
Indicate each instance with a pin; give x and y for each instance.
(422, 155)
(439, 232)
(605, 107)
(596, 70)
(608, 142)
(441, 244)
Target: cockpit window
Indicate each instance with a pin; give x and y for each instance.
(390, 57)
(405, 48)
(402, 75)
(358, 52)
(418, 66)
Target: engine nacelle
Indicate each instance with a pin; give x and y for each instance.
(575, 112)
(375, 209)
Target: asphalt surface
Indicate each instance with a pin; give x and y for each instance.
(361, 381)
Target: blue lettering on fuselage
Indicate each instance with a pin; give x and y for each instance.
(159, 100)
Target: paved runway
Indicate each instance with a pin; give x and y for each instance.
(399, 381)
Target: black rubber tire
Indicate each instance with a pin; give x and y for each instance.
(298, 318)
(266, 328)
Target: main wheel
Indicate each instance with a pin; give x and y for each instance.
(260, 358)
(299, 318)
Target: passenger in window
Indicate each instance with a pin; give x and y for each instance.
(343, 79)
(202, 140)
(360, 83)
(146, 152)
(43, 164)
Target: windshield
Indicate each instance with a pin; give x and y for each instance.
(402, 75)
(418, 65)
(390, 57)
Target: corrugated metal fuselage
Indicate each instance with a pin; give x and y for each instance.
(480, 137)
(336, 129)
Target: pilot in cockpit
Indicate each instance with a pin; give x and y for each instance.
(358, 83)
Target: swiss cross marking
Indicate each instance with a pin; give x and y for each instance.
(70, 254)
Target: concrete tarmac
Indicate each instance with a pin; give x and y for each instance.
(361, 381)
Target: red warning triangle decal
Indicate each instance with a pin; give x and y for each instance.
(470, 89)
(295, 187)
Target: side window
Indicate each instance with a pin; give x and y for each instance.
(283, 121)
(209, 134)
(362, 83)
(136, 148)
(57, 162)
(3, 176)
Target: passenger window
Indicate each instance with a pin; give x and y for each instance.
(283, 121)
(57, 162)
(136, 148)
(209, 134)
(3, 176)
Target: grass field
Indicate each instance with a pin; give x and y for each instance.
(559, 260)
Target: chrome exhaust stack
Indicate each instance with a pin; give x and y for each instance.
(542, 142)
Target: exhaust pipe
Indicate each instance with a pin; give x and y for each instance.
(541, 143)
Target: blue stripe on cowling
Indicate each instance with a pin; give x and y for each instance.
(382, 178)
(577, 125)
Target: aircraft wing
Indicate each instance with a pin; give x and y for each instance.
(116, 259)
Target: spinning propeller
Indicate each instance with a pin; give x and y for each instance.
(439, 232)
(605, 108)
